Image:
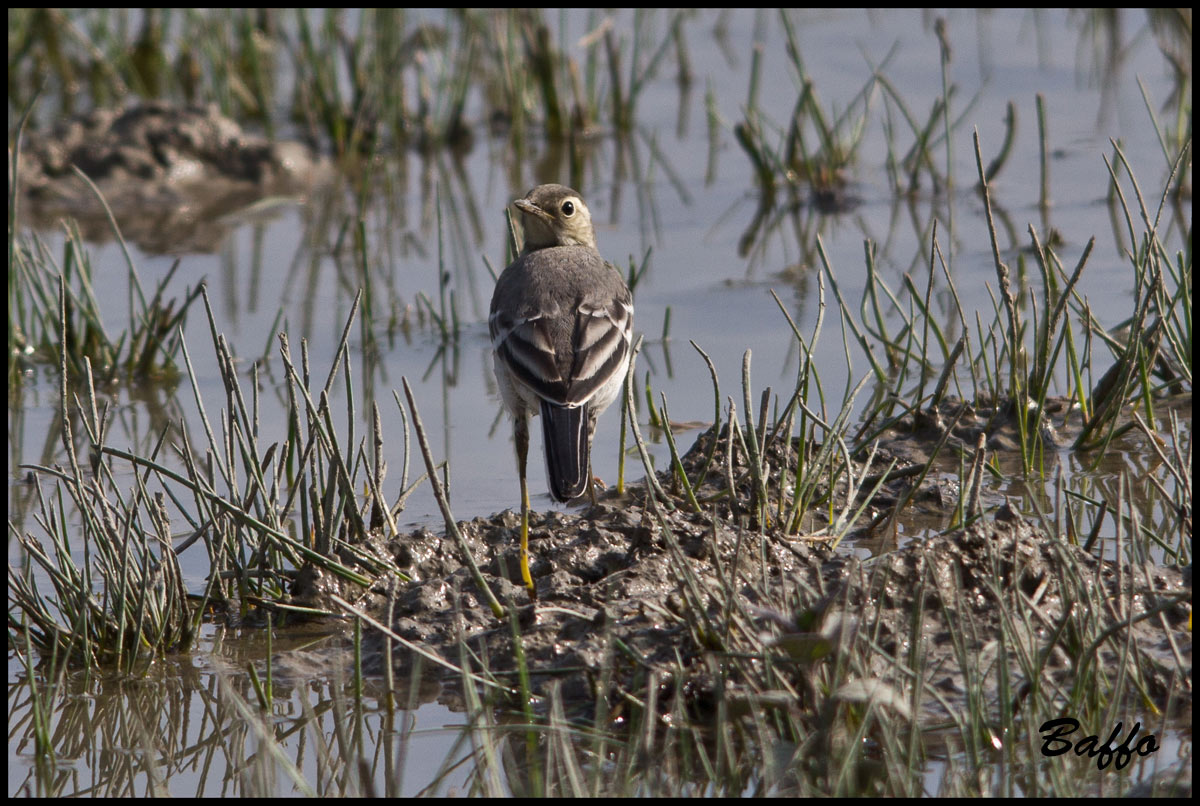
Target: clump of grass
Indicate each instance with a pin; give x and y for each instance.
(125, 603)
(817, 146)
(624, 93)
(1034, 336)
(244, 497)
(380, 57)
(147, 348)
(310, 475)
(1156, 354)
(55, 318)
(361, 82)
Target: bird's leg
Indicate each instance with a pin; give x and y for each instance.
(592, 480)
(521, 436)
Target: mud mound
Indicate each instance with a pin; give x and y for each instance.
(167, 173)
(633, 589)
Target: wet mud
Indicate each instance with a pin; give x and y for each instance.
(172, 176)
(635, 591)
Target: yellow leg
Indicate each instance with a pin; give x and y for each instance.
(521, 434)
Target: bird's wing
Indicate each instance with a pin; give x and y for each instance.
(526, 345)
(570, 329)
(602, 340)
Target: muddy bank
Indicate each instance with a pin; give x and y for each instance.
(171, 175)
(636, 589)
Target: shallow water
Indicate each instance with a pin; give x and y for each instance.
(662, 191)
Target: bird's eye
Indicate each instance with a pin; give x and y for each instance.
(568, 208)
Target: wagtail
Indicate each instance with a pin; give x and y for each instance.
(562, 325)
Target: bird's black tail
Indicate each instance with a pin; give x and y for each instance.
(565, 436)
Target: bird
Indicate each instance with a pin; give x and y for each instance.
(561, 326)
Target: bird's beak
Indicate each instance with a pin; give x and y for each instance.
(529, 208)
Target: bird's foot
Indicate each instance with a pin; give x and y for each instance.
(596, 482)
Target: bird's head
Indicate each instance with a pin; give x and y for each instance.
(555, 215)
